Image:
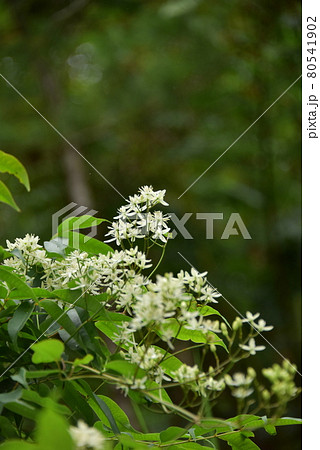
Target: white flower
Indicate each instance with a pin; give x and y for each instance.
(209, 294)
(130, 383)
(148, 195)
(144, 358)
(135, 220)
(197, 283)
(262, 326)
(129, 292)
(240, 383)
(242, 392)
(28, 243)
(139, 383)
(186, 373)
(85, 436)
(147, 309)
(27, 252)
(252, 348)
(238, 379)
(214, 385)
(250, 317)
(123, 230)
(194, 280)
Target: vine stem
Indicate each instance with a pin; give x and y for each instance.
(159, 262)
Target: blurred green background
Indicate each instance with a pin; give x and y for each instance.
(152, 92)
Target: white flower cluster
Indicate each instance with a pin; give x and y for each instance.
(197, 284)
(86, 437)
(116, 273)
(133, 383)
(190, 377)
(145, 358)
(169, 297)
(195, 321)
(162, 308)
(159, 302)
(136, 221)
(26, 253)
(240, 383)
(260, 326)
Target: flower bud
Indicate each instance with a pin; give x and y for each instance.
(266, 395)
(237, 323)
(224, 329)
(251, 372)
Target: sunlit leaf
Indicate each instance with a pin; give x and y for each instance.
(6, 197)
(47, 351)
(10, 164)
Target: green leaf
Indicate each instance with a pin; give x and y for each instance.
(19, 444)
(41, 373)
(190, 445)
(119, 417)
(252, 422)
(52, 432)
(3, 292)
(7, 430)
(125, 368)
(285, 421)
(98, 405)
(20, 377)
(22, 408)
(4, 254)
(19, 319)
(239, 440)
(59, 315)
(85, 360)
(110, 326)
(172, 434)
(6, 197)
(170, 363)
(206, 310)
(184, 334)
(77, 223)
(12, 396)
(76, 398)
(10, 164)
(19, 289)
(88, 244)
(90, 303)
(159, 394)
(47, 351)
(270, 429)
(45, 402)
(246, 420)
(126, 441)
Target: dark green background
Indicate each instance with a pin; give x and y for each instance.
(152, 93)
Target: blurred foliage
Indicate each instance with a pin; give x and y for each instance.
(153, 93)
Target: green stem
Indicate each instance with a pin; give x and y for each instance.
(140, 417)
(159, 262)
